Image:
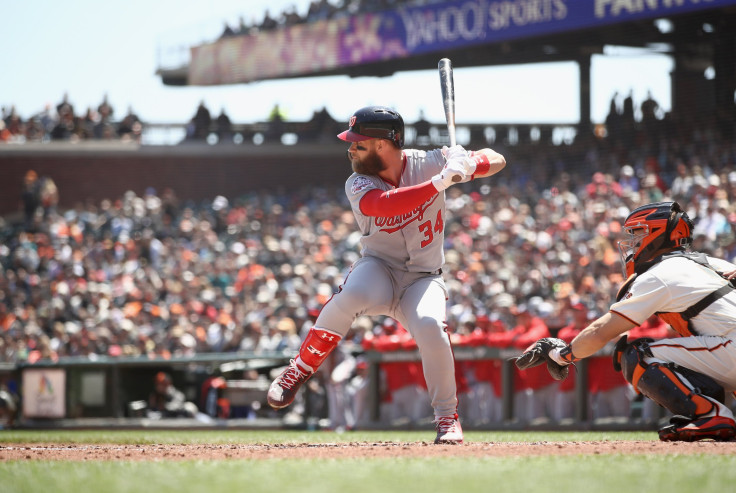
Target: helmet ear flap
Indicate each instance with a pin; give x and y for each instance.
(681, 230)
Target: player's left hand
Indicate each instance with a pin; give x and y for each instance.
(539, 353)
(453, 152)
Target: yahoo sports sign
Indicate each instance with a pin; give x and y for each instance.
(464, 23)
(309, 49)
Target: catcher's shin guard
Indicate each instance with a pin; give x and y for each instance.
(696, 400)
(680, 390)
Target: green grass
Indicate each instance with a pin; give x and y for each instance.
(674, 473)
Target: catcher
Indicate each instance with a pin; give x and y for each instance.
(687, 375)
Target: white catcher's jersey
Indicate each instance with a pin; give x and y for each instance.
(675, 284)
(412, 242)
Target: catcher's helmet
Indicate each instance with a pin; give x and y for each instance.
(652, 230)
(375, 122)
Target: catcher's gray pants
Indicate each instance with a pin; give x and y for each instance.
(417, 301)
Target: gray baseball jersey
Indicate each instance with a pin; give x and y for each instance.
(412, 242)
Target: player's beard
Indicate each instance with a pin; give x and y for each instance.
(370, 164)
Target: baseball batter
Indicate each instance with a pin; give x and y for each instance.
(397, 196)
(687, 375)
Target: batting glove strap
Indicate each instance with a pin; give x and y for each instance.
(443, 180)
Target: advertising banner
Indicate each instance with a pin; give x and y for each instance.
(313, 48)
(44, 393)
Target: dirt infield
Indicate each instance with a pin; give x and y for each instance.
(76, 452)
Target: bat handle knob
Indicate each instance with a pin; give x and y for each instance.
(456, 179)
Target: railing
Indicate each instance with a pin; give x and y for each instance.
(292, 133)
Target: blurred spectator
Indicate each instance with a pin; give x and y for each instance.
(105, 110)
(290, 17)
(276, 120)
(166, 401)
(342, 392)
(404, 392)
(649, 112)
(64, 106)
(14, 125)
(30, 196)
(224, 128)
(628, 181)
(268, 22)
(565, 399)
(5, 135)
(613, 119)
(627, 110)
(201, 121)
(212, 397)
(484, 376)
(321, 127)
(48, 196)
(228, 31)
(130, 128)
(358, 393)
(422, 127)
(608, 390)
(9, 404)
(65, 125)
(320, 10)
(534, 389)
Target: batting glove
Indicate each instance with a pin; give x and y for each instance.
(454, 152)
(455, 168)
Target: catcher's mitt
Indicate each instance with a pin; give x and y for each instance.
(538, 353)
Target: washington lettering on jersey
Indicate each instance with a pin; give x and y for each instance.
(393, 224)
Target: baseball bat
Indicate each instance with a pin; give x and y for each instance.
(447, 85)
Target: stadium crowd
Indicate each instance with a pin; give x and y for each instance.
(63, 123)
(532, 253)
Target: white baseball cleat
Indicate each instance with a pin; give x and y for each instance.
(448, 430)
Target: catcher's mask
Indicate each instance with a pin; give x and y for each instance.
(652, 230)
(375, 122)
